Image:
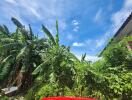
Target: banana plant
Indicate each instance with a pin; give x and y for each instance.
(58, 63)
(24, 49)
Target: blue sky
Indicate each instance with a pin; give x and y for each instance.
(85, 25)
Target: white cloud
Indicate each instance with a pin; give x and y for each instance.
(31, 9)
(117, 19)
(75, 29)
(98, 16)
(77, 44)
(35, 13)
(75, 24)
(128, 4)
(44, 11)
(92, 58)
(88, 57)
(120, 16)
(11, 1)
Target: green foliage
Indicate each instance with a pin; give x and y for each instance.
(16, 22)
(47, 90)
(115, 70)
(45, 68)
(4, 30)
(49, 35)
(5, 68)
(118, 54)
(22, 47)
(4, 98)
(59, 67)
(57, 34)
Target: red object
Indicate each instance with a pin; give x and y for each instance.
(67, 98)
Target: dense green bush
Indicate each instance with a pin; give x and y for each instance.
(117, 54)
(115, 70)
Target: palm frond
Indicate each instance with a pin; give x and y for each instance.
(48, 34)
(5, 71)
(57, 29)
(57, 34)
(7, 40)
(5, 60)
(25, 34)
(21, 53)
(83, 57)
(15, 35)
(9, 46)
(40, 67)
(21, 28)
(5, 67)
(31, 32)
(1, 29)
(16, 22)
(6, 30)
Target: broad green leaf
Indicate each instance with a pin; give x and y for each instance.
(48, 34)
(16, 22)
